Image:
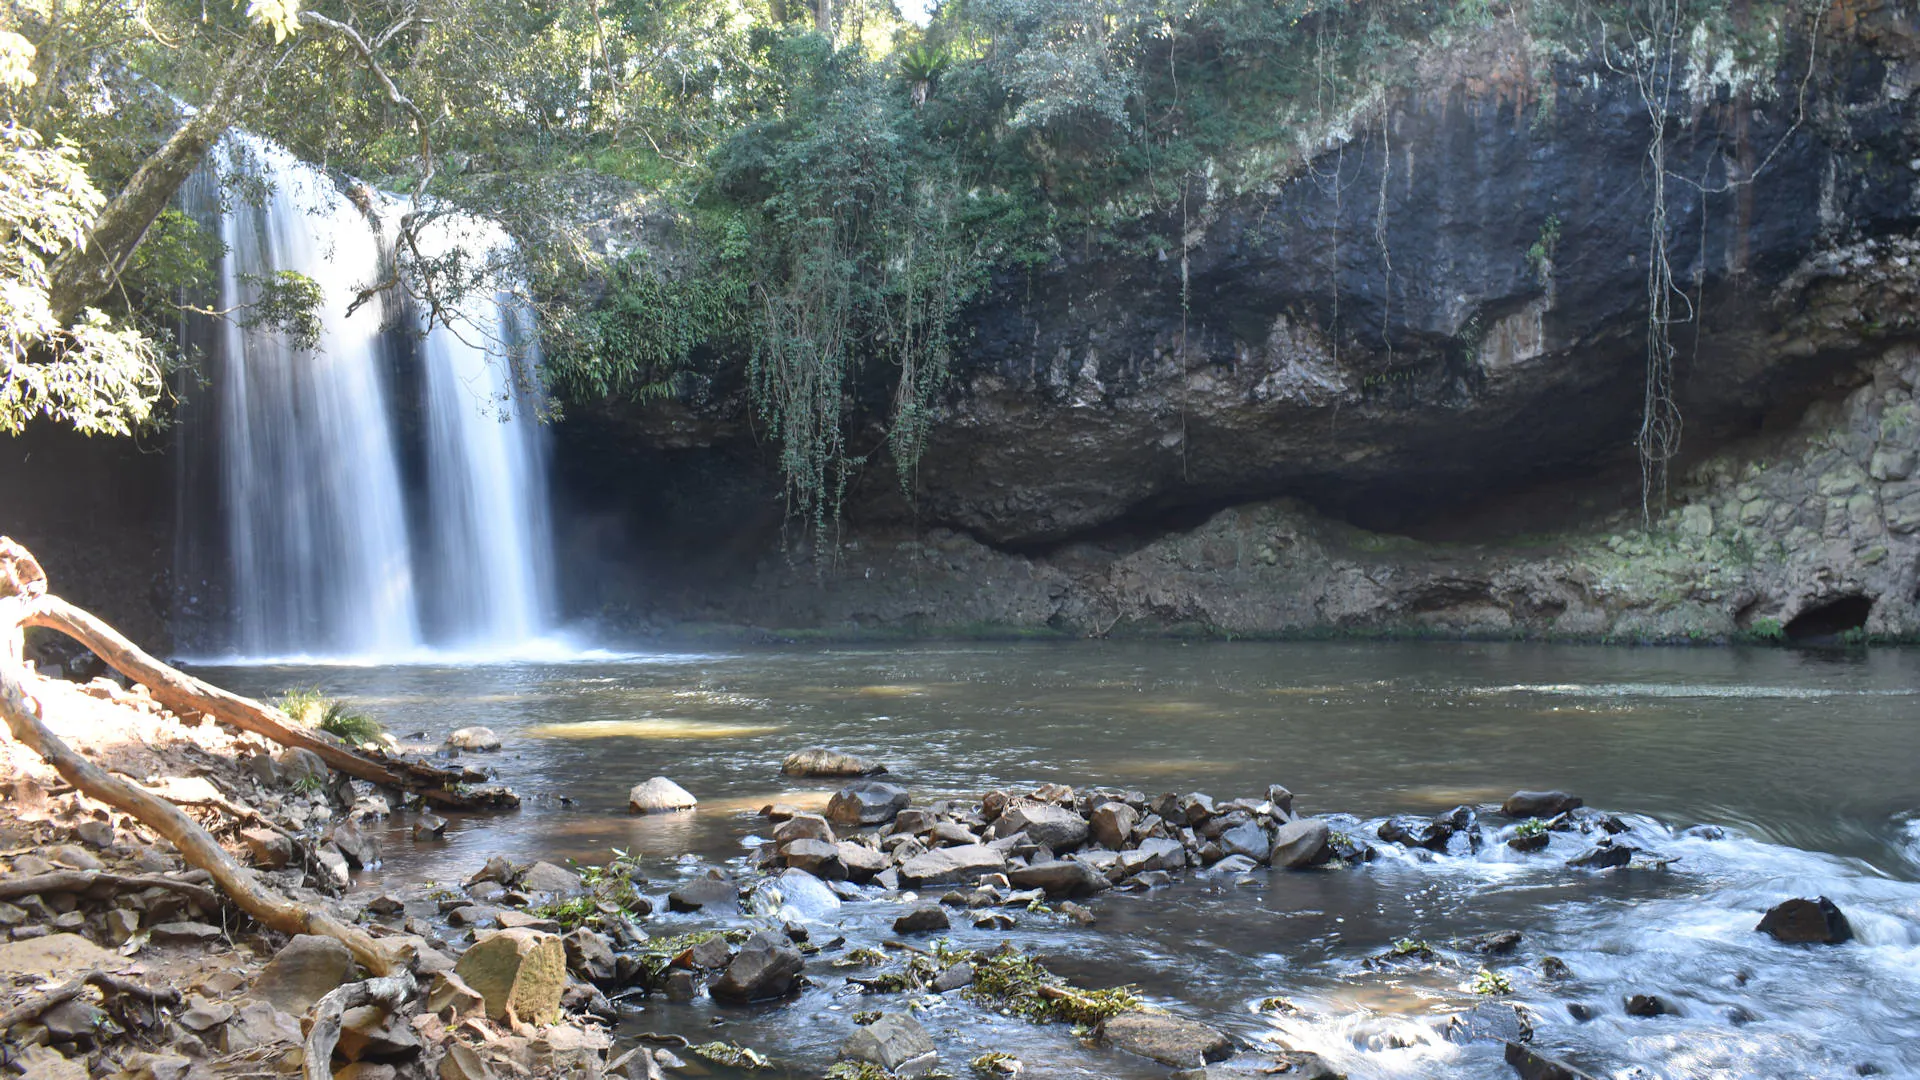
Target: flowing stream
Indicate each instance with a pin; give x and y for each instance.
(1806, 760)
(382, 492)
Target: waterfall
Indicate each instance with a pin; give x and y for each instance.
(382, 493)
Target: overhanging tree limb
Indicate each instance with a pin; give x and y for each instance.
(84, 274)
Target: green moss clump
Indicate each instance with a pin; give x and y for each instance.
(1016, 984)
(731, 1054)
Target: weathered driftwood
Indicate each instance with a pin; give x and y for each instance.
(77, 881)
(23, 592)
(185, 694)
(330, 1011)
(31, 1008)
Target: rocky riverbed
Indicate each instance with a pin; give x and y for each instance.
(917, 918)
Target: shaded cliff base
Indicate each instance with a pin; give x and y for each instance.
(1812, 533)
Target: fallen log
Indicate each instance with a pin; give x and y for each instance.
(22, 591)
(183, 693)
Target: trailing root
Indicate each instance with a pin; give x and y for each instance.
(24, 602)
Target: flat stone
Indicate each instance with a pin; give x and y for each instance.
(95, 834)
(545, 877)
(157, 1066)
(816, 761)
(951, 866)
(518, 971)
(184, 932)
(953, 978)
(54, 955)
(862, 862)
(1060, 877)
(75, 857)
(474, 738)
(869, 802)
(461, 1063)
(371, 1031)
(1530, 1064)
(896, 1043)
(74, 1019)
(449, 997)
(658, 796)
(307, 969)
(1168, 1040)
(270, 850)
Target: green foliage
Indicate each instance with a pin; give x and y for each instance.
(612, 894)
(1540, 255)
(1530, 827)
(732, 1055)
(311, 706)
(995, 1063)
(1767, 630)
(856, 1070)
(93, 376)
(1491, 982)
(285, 301)
(1018, 985)
(1413, 947)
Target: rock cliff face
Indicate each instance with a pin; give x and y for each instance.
(1438, 320)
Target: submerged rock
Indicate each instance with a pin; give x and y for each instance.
(870, 802)
(896, 1043)
(1168, 1040)
(474, 738)
(1604, 857)
(704, 892)
(659, 795)
(1533, 1065)
(925, 919)
(1540, 804)
(817, 761)
(1806, 922)
(1649, 1005)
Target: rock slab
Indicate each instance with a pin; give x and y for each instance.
(519, 971)
(818, 761)
(306, 970)
(896, 1043)
(1169, 1040)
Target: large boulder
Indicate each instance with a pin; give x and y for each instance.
(1053, 827)
(861, 861)
(307, 969)
(1061, 877)
(523, 972)
(1169, 1040)
(895, 1042)
(869, 802)
(1806, 922)
(765, 967)
(925, 919)
(1299, 843)
(951, 866)
(659, 795)
(816, 761)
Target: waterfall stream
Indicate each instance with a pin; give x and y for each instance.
(384, 492)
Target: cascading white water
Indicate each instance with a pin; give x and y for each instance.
(486, 464)
(335, 547)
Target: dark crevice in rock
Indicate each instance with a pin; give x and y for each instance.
(1829, 620)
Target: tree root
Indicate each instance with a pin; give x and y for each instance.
(114, 984)
(22, 601)
(76, 881)
(328, 1013)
